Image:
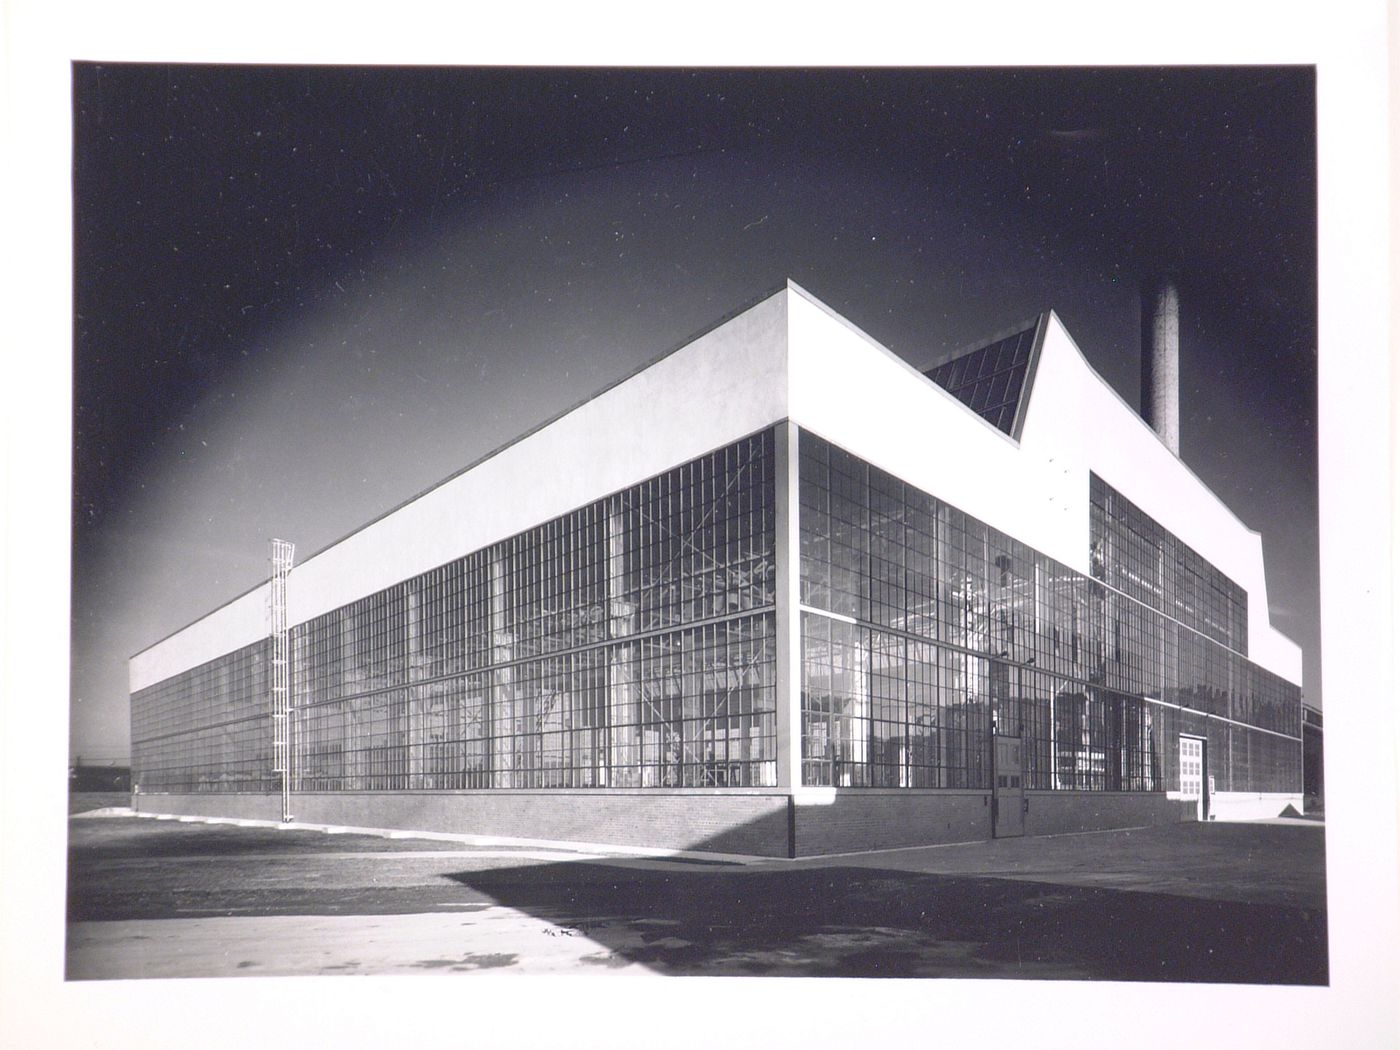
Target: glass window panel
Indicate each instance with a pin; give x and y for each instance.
(958, 621)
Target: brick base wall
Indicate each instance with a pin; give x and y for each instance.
(748, 823)
(1061, 812)
(752, 823)
(869, 819)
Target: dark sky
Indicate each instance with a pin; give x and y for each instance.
(305, 294)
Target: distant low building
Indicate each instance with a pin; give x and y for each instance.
(1314, 794)
(98, 778)
(778, 593)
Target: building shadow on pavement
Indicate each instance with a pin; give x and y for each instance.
(688, 917)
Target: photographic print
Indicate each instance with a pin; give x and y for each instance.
(794, 522)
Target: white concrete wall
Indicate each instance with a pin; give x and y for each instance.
(241, 622)
(1228, 806)
(787, 357)
(1075, 424)
(858, 395)
(727, 383)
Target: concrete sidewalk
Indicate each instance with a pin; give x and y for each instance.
(474, 938)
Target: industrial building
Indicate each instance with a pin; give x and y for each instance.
(777, 593)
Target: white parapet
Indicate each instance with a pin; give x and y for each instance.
(788, 357)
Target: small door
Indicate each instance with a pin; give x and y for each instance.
(1010, 788)
(1192, 770)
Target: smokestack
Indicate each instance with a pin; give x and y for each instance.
(1161, 361)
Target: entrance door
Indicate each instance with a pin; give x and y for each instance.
(1010, 788)
(1192, 768)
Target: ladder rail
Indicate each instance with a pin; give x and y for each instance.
(281, 553)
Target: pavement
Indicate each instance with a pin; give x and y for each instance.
(1233, 903)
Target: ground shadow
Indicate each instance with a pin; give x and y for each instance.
(867, 922)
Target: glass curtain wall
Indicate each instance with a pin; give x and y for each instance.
(207, 729)
(629, 643)
(925, 631)
(1133, 553)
